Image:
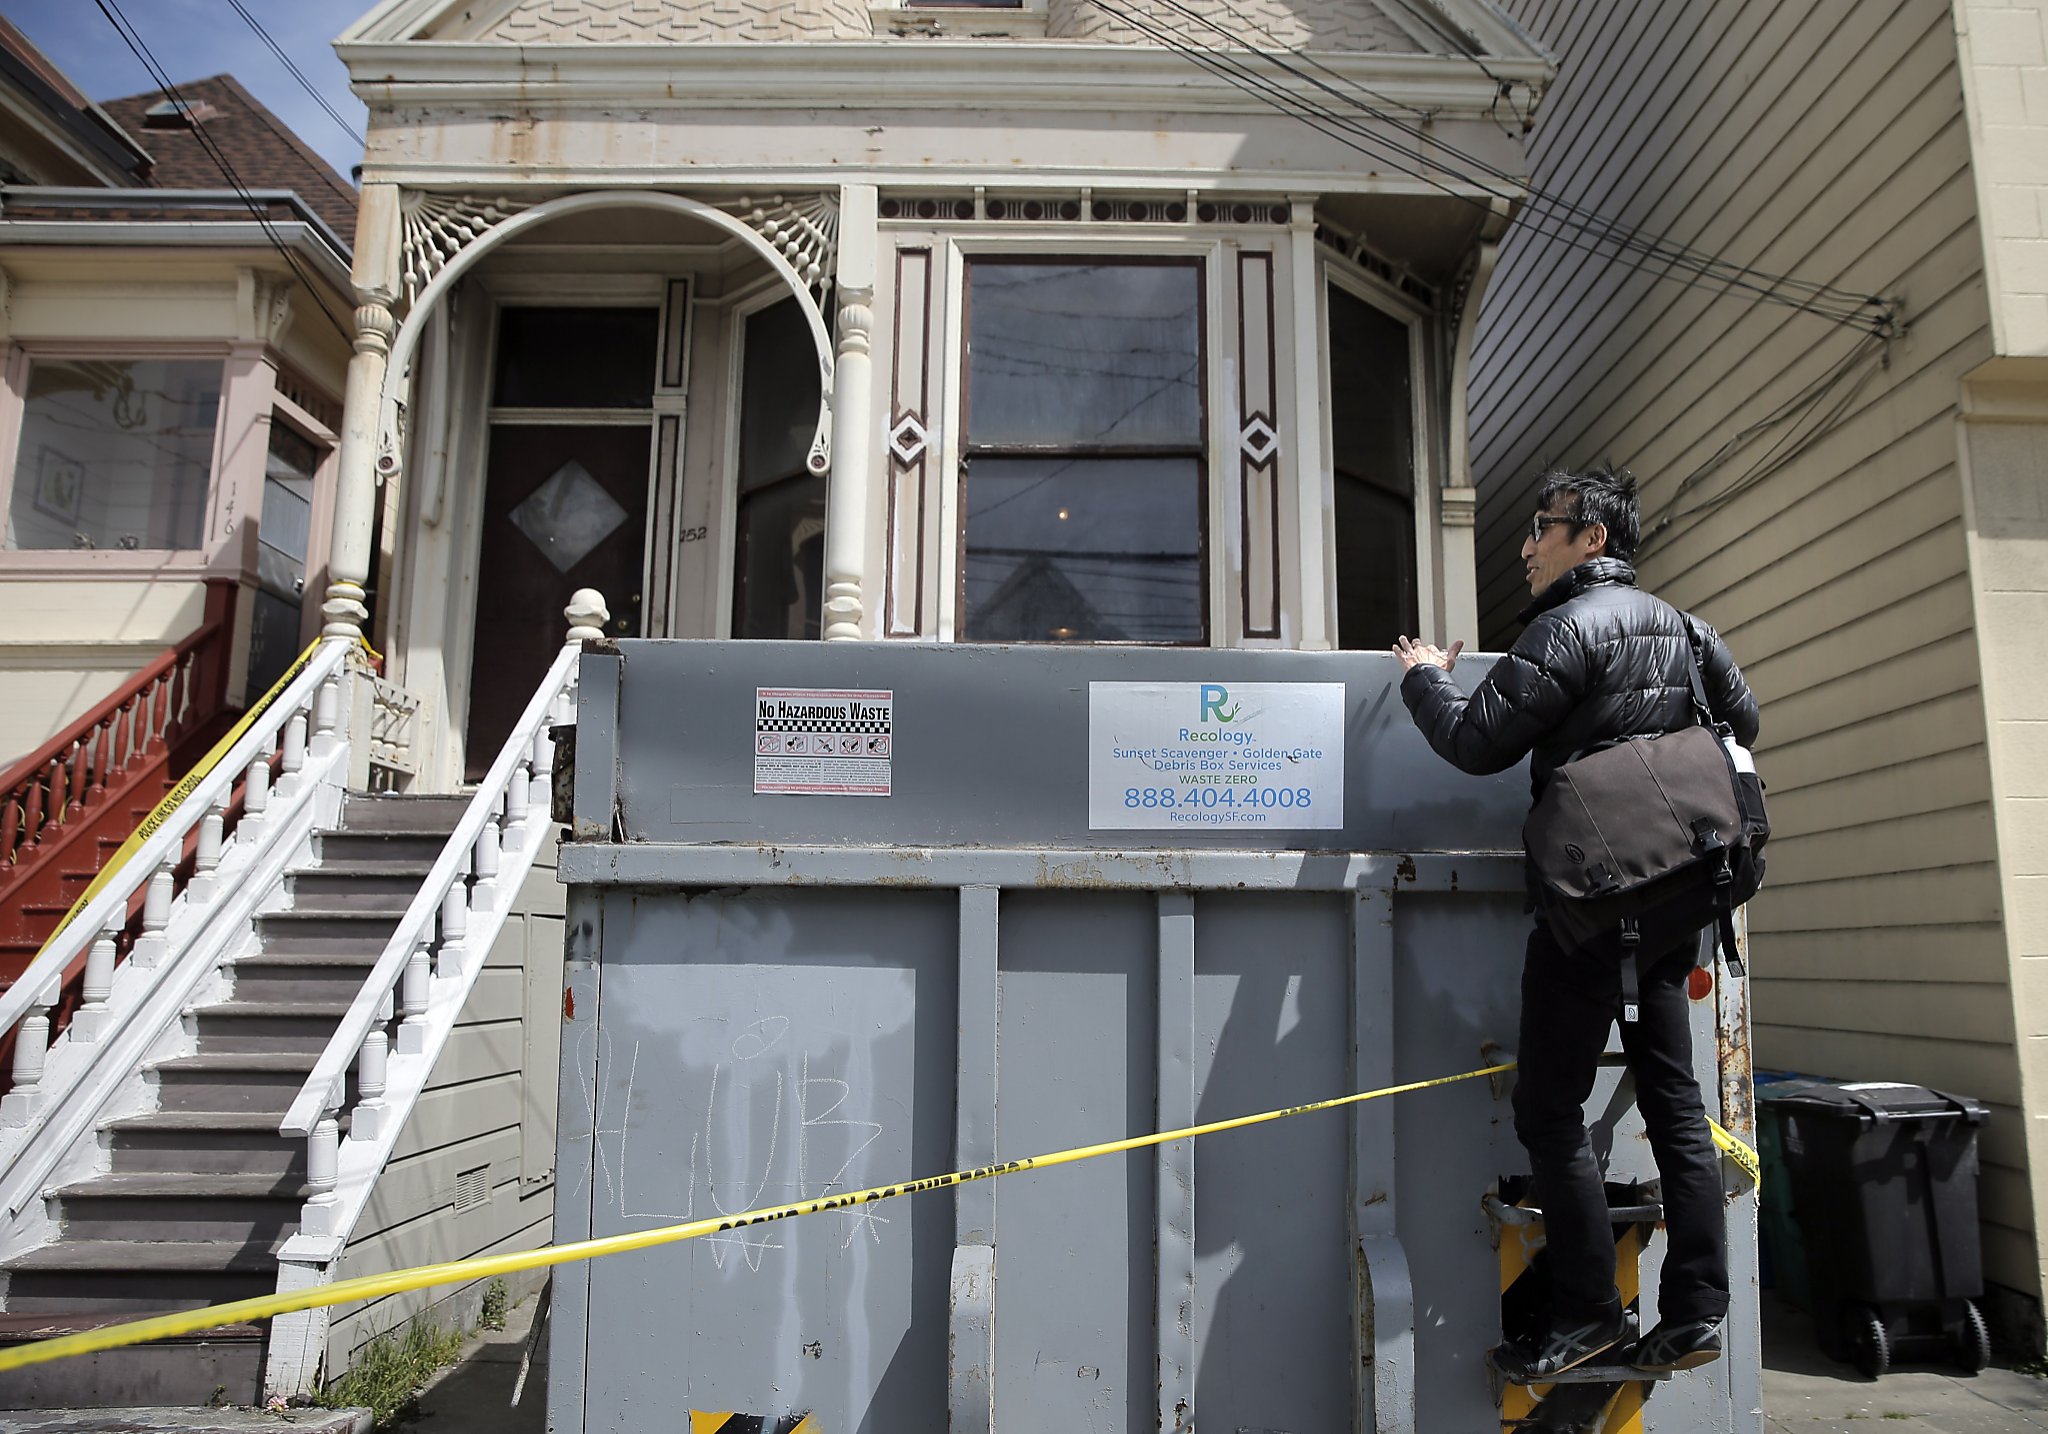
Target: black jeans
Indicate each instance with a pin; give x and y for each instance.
(1568, 1004)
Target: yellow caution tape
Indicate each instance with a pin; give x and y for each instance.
(1742, 1154)
(369, 1287)
(189, 783)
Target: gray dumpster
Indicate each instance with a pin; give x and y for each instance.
(845, 914)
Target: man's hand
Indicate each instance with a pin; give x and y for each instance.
(1421, 654)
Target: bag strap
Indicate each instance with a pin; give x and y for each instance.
(1631, 982)
(1701, 707)
(1729, 953)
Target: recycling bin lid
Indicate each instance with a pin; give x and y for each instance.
(1872, 1100)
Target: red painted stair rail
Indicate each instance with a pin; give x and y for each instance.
(84, 785)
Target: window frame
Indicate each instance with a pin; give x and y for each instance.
(115, 562)
(1026, 18)
(1369, 289)
(1205, 255)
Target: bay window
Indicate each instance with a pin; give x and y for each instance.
(115, 454)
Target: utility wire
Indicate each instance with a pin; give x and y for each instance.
(1545, 214)
(304, 83)
(136, 45)
(1792, 415)
(1538, 198)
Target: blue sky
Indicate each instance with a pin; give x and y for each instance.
(192, 39)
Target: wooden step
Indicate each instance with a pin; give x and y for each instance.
(269, 1026)
(234, 1081)
(286, 976)
(137, 1387)
(204, 1141)
(92, 1276)
(228, 1210)
(438, 814)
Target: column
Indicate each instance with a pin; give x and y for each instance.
(846, 502)
(355, 487)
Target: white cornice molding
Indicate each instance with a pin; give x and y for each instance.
(175, 234)
(857, 76)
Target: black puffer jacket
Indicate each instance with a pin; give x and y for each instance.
(1599, 660)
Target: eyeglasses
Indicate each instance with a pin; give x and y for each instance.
(1543, 520)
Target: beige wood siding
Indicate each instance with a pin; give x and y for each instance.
(490, 1107)
(1825, 141)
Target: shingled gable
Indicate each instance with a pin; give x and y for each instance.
(261, 147)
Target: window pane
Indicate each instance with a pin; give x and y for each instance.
(778, 395)
(576, 358)
(779, 561)
(1372, 431)
(115, 454)
(1084, 550)
(1081, 354)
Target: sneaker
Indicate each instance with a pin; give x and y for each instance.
(1685, 1344)
(1559, 1348)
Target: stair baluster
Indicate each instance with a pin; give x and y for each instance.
(372, 1077)
(206, 861)
(156, 915)
(412, 1031)
(454, 923)
(256, 788)
(326, 717)
(322, 1213)
(516, 796)
(31, 1047)
(489, 847)
(294, 757)
(91, 1020)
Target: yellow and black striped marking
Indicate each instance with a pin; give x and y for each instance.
(1524, 1407)
(704, 1421)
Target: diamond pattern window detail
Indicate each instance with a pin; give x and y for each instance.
(568, 516)
(907, 439)
(1258, 440)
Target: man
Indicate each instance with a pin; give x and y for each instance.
(1600, 660)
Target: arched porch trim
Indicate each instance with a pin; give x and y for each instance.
(397, 371)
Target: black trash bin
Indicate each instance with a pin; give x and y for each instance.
(1884, 1189)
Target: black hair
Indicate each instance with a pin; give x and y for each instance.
(1601, 494)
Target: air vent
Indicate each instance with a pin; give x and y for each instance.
(473, 1188)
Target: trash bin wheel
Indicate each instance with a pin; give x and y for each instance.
(1870, 1347)
(1971, 1339)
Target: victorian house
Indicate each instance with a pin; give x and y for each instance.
(1053, 321)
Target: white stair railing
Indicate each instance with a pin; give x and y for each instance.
(61, 1088)
(406, 1009)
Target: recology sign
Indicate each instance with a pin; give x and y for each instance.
(1200, 754)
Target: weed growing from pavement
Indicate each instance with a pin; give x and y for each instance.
(496, 1300)
(389, 1372)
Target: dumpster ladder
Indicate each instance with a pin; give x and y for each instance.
(1603, 1397)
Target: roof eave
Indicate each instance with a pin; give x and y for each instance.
(840, 75)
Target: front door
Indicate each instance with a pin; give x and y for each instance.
(565, 507)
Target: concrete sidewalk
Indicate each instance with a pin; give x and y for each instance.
(1804, 1391)
(474, 1395)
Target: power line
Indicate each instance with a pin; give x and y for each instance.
(1537, 197)
(1543, 213)
(304, 83)
(132, 38)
